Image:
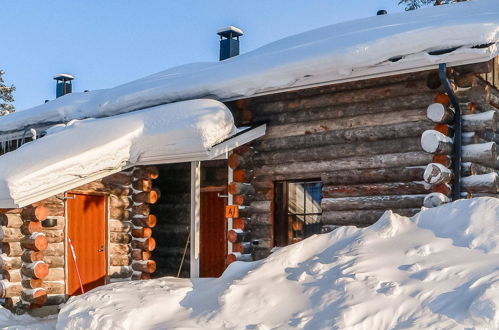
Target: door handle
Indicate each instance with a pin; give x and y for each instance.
(101, 249)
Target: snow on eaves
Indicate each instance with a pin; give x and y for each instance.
(82, 151)
(335, 53)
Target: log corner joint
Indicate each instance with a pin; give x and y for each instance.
(457, 152)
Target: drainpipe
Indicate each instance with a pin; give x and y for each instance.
(458, 123)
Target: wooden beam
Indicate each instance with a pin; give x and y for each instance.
(195, 217)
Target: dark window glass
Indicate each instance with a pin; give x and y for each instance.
(298, 210)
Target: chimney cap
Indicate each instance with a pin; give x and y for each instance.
(381, 12)
(230, 32)
(63, 76)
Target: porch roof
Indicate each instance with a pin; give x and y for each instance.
(82, 151)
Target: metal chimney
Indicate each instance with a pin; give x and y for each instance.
(381, 12)
(229, 41)
(63, 86)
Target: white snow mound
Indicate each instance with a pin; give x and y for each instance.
(436, 270)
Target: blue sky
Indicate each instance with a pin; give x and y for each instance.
(107, 43)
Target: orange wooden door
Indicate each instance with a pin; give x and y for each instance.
(87, 231)
(213, 235)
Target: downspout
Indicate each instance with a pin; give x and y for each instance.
(457, 152)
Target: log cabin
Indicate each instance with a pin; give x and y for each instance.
(186, 171)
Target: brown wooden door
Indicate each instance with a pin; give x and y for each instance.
(213, 236)
(87, 231)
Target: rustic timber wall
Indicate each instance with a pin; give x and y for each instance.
(362, 139)
(33, 254)
(173, 213)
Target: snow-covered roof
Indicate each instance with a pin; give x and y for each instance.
(85, 150)
(360, 49)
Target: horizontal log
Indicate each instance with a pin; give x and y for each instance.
(238, 188)
(119, 214)
(29, 256)
(8, 263)
(39, 213)
(480, 122)
(31, 283)
(238, 235)
(54, 261)
(141, 232)
(55, 299)
(35, 242)
(236, 256)
(12, 249)
(119, 202)
(121, 178)
(149, 221)
(242, 175)
(436, 143)
(55, 274)
(345, 136)
(483, 153)
(372, 202)
(12, 275)
(489, 137)
(359, 218)
(119, 248)
(142, 184)
(362, 162)
(10, 234)
(140, 210)
(437, 174)
(120, 260)
(54, 236)
(120, 238)
(483, 183)
(435, 199)
(119, 226)
(439, 113)
(402, 174)
(11, 220)
(243, 248)
(144, 244)
(37, 269)
(147, 172)
(54, 287)
(397, 188)
(471, 138)
(311, 127)
(445, 160)
(336, 151)
(138, 254)
(54, 249)
(149, 197)
(30, 227)
(36, 296)
(382, 92)
(146, 266)
(238, 223)
(120, 271)
(8, 289)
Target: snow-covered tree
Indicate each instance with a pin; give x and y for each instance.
(6, 97)
(415, 4)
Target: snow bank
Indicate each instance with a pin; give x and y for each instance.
(25, 322)
(83, 149)
(331, 53)
(436, 270)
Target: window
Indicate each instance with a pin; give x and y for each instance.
(298, 211)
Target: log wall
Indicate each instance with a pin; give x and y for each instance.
(33, 240)
(362, 139)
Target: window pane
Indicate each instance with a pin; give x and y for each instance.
(312, 225)
(296, 198)
(313, 197)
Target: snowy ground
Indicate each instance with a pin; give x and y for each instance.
(438, 270)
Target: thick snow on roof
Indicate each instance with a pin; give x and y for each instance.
(84, 150)
(341, 52)
(436, 270)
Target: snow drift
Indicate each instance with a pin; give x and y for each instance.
(438, 269)
(329, 54)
